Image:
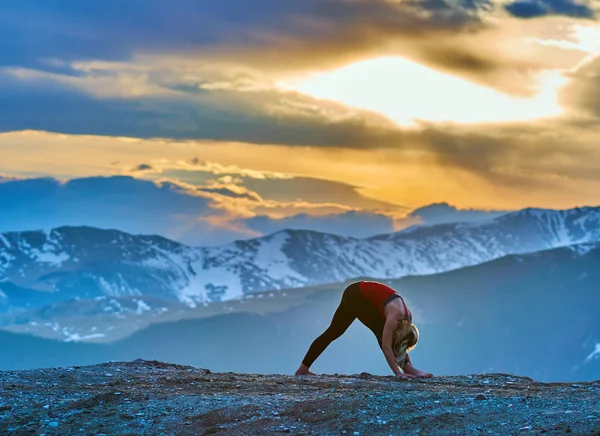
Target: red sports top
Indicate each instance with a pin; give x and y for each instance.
(379, 295)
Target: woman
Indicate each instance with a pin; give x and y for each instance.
(383, 311)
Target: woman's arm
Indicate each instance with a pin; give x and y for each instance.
(391, 322)
(393, 314)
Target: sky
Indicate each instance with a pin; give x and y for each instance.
(311, 110)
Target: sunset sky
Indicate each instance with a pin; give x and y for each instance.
(276, 108)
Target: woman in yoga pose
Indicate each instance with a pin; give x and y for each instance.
(385, 313)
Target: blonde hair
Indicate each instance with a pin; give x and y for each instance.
(405, 339)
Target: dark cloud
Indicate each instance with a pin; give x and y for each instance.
(263, 35)
(231, 193)
(326, 32)
(540, 8)
(523, 155)
(46, 105)
(301, 189)
(143, 167)
(257, 34)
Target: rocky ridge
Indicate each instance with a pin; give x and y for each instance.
(151, 397)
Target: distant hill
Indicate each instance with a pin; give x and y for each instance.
(443, 213)
(533, 315)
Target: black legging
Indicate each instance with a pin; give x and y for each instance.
(352, 306)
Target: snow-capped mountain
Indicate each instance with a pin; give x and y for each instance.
(38, 268)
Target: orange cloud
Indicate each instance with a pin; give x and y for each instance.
(499, 167)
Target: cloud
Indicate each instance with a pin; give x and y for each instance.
(124, 203)
(483, 167)
(143, 168)
(231, 193)
(233, 46)
(229, 173)
(205, 70)
(283, 189)
(236, 201)
(112, 30)
(539, 8)
(508, 154)
(41, 104)
(195, 215)
(582, 96)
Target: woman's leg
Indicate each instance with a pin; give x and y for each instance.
(410, 369)
(342, 318)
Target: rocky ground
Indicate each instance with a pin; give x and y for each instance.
(149, 397)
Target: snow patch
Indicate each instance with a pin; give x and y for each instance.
(76, 337)
(271, 258)
(54, 259)
(5, 241)
(224, 275)
(141, 307)
(118, 289)
(158, 263)
(594, 354)
(7, 258)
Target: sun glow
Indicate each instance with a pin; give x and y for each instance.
(407, 92)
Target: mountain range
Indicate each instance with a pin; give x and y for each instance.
(531, 314)
(38, 268)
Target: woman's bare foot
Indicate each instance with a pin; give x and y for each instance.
(303, 370)
(409, 369)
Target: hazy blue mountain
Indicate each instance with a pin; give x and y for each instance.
(533, 314)
(349, 224)
(443, 213)
(142, 206)
(365, 224)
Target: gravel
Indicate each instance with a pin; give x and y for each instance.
(157, 398)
